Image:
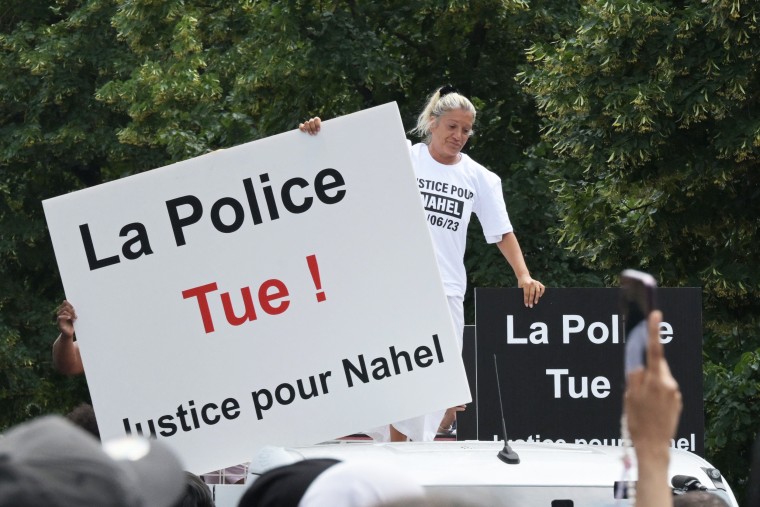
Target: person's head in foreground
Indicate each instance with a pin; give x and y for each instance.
(331, 483)
(698, 499)
(51, 462)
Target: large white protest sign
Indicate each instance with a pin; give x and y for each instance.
(280, 292)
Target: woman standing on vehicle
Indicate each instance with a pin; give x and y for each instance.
(453, 186)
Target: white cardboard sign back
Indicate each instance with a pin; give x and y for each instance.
(282, 292)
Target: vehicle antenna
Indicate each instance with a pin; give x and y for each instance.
(507, 455)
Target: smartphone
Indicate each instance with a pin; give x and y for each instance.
(637, 298)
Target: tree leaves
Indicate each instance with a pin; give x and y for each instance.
(100, 89)
(648, 110)
(626, 134)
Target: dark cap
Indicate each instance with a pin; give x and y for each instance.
(284, 486)
(50, 462)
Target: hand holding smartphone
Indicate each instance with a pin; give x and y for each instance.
(637, 301)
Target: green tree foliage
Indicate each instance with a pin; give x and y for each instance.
(54, 137)
(647, 155)
(94, 90)
(263, 67)
(652, 110)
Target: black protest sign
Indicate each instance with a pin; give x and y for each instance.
(560, 364)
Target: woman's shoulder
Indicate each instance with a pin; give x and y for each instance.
(416, 147)
(418, 151)
(478, 170)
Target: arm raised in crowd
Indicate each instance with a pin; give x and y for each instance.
(653, 407)
(66, 357)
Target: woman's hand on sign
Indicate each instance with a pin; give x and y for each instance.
(532, 290)
(311, 126)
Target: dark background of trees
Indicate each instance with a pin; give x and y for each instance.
(627, 134)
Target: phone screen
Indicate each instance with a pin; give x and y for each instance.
(637, 300)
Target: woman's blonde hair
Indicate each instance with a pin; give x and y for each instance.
(443, 100)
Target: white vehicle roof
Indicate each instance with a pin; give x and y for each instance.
(585, 475)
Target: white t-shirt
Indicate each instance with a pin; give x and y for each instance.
(450, 194)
